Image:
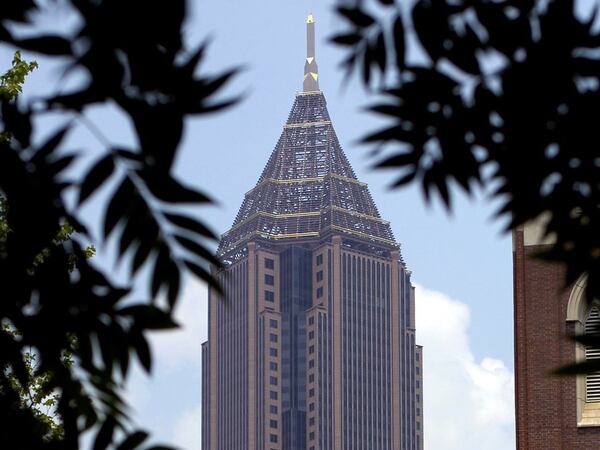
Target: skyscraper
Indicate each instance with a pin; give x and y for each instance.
(313, 345)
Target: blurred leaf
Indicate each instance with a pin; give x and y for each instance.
(118, 206)
(190, 224)
(133, 441)
(357, 16)
(97, 175)
(105, 434)
(48, 45)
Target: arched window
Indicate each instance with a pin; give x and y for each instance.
(592, 380)
(586, 320)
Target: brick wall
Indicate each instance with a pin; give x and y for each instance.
(546, 416)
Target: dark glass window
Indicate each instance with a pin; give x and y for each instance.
(273, 337)
(273, 351)
(311, 335)
(273, 409)
(273, 366)
(311, 393)
(319, 260)
(273, 438)
(273, 381)
(311, 421)
(311, 320)
(273, 423)
(273, 395)
(320, 292)
(311, 378)
(311, 436)
(269, 280)
(311, 349)
(311, 407)
(269, 263)
(311, 364)
(273, 323)
(270, 296)
(320, 275)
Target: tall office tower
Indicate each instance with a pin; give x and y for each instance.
(313, 346)
(552, 412)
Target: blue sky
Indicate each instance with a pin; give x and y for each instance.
(461, 262)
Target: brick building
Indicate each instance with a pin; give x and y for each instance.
(552, 412)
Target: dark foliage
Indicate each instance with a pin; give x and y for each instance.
(506, 98)
(135, 58)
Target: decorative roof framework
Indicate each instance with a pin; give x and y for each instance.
(308, 187)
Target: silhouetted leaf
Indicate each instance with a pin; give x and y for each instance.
(579, 368)
(357, 16)
(44, 152)
(347, 39)
(48, 45)
(105, 434)
(140, 344)
(172, 191)
(118, 206)
(97, 175)
(190, 224)
(197, 249)
(381, 52)
(133, 441)
(399, 42)
(202, 274)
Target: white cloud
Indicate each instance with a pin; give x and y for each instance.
(187, 432)
(168, 402)
(183, 346)
(469, 404)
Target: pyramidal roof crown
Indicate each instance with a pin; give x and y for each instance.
(308, 188)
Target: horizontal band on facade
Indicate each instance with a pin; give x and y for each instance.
(307, 124)
(305, 180)
(305, 93)
(266, 235)
(305, 214)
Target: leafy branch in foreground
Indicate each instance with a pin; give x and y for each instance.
(56, 300)
(504, 99)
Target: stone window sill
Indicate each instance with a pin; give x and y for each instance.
(590, 416)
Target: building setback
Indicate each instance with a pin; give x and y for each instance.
(313, 345)
(552, 412)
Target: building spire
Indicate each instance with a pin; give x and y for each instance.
(311, 71)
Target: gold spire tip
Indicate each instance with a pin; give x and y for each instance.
(310, 19)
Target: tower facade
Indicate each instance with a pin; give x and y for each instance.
(552, 412)
(313, 345)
